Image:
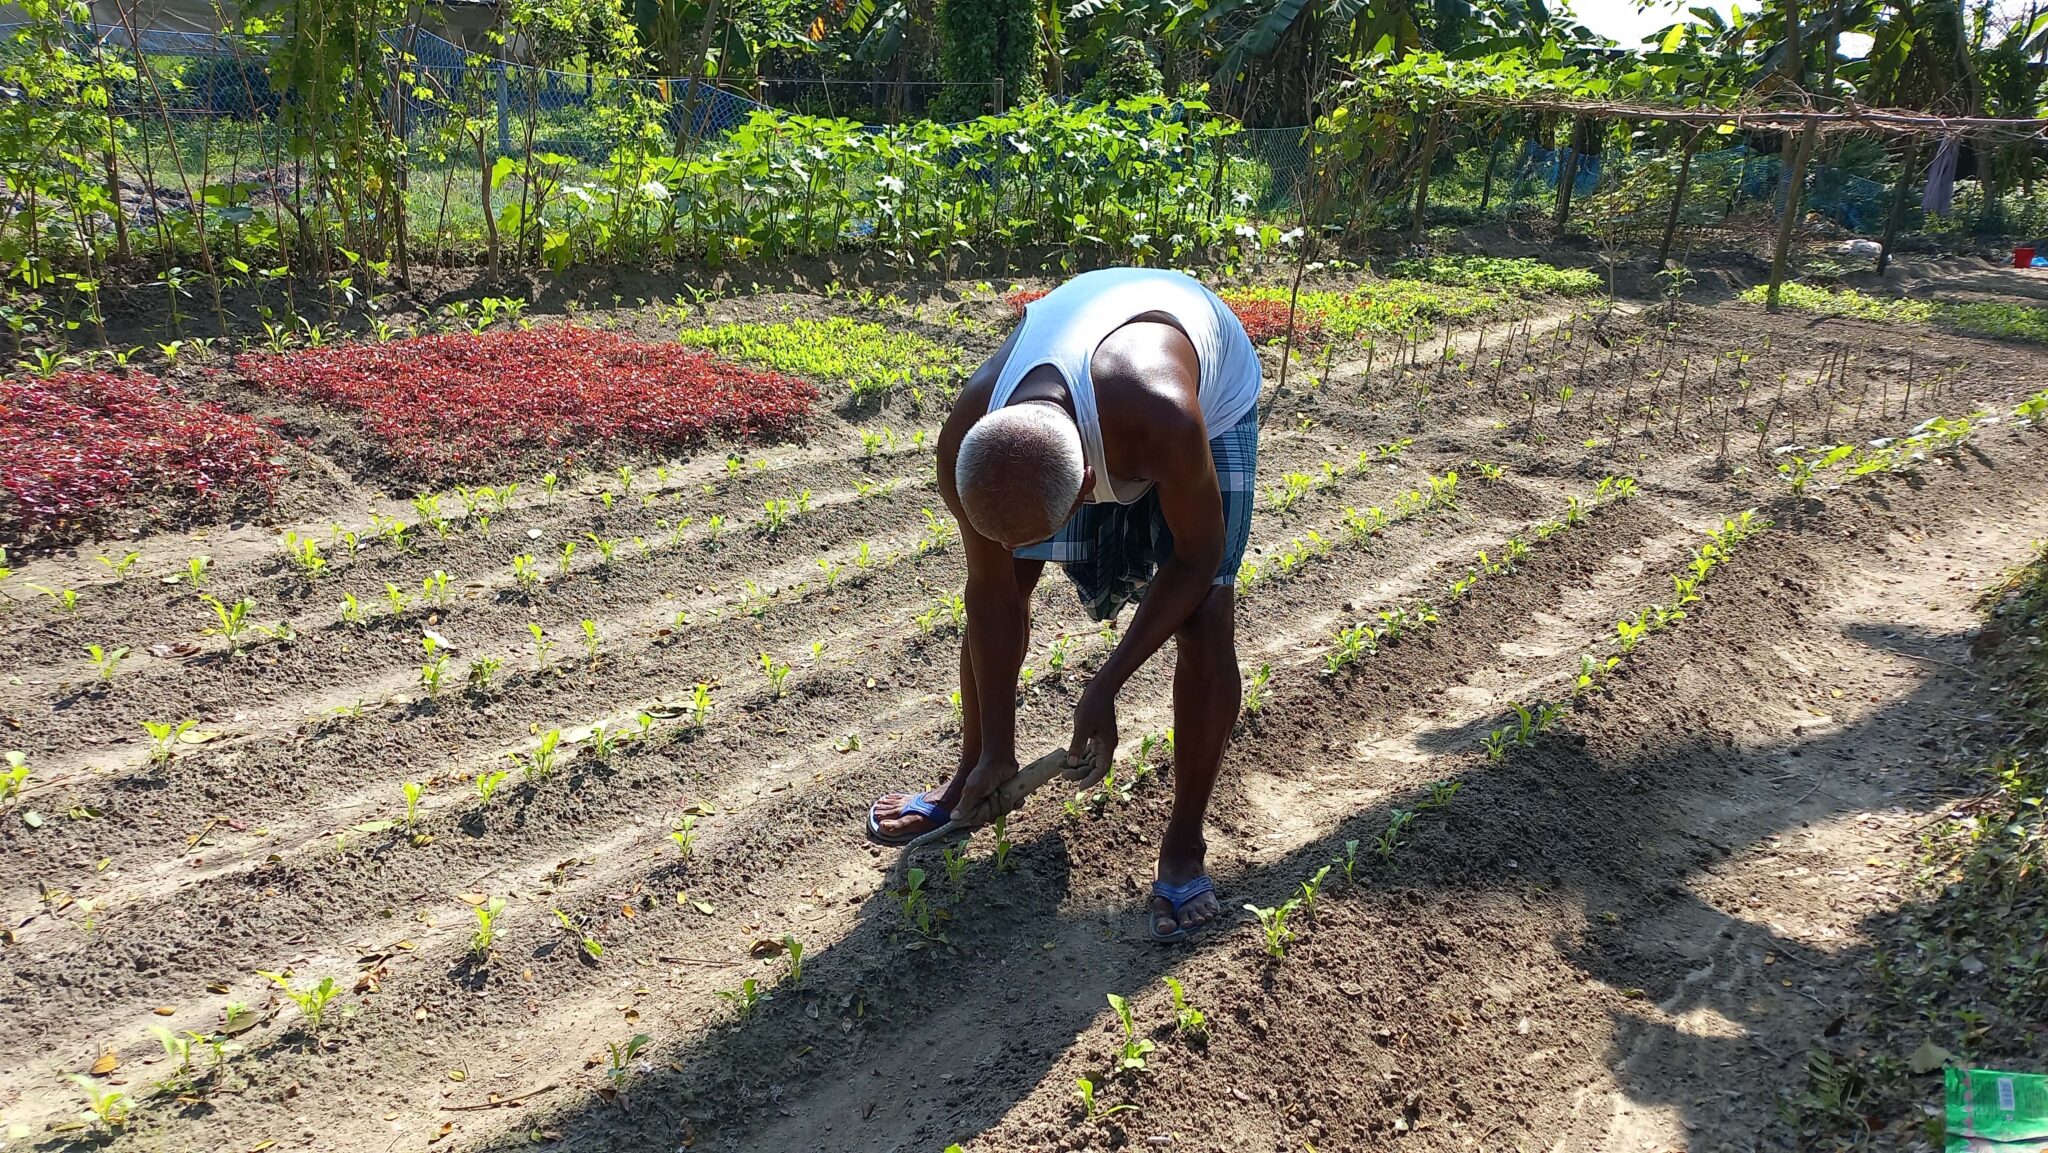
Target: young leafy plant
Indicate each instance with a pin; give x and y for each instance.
(1135, 1048)
(164, 737)
(1273, 924)
(487, 933)
(1187, 1020)
(312, 1001)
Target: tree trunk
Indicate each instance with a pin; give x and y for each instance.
(1794, 64)
(1492, 160)
(1568, 175)
(684, 128)
(1898, 209)
(1678, 197)
(1429, 142)
(1795, 193)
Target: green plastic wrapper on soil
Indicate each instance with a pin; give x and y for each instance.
(1990, 1110)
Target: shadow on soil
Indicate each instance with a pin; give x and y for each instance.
(854, 1058)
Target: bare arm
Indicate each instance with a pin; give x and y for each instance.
(998, 614)
(1192, 504)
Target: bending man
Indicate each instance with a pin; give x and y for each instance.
(1115, 433)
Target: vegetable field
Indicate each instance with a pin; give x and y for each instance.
(456, 734)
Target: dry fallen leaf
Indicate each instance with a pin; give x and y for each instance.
(164, 1010)
(106, 1064)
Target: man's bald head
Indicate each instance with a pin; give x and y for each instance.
(1019, 473)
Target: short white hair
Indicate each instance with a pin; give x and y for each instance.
(1033, 452)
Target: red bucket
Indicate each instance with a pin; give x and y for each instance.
(2023, 258)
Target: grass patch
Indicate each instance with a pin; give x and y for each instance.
(1977, 318)
(2004, 321)
(1518, 274)
(864, 356)
(1381, 308)
(1843, 302)
(1960, 975)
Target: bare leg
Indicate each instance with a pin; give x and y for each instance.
(889, 810)
(1206, 694)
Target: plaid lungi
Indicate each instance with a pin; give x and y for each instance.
(1111, 551)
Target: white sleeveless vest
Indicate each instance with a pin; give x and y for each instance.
(1064, 327)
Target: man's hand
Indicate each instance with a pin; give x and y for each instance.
(1093, 750)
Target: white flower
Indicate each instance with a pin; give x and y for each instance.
(891, 184)
(1292, 235)
(1247, 231)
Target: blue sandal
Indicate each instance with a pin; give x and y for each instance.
(1178, 897)
(915, 806)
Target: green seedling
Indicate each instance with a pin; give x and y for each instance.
(539, 764)
(565, 563)
(106, 1109)
(745, 999)
(434, 589)
(312, 1002)
(233, 620)
(1003, 845)
(106, 660)
(775, 514)
(591, 946)
(591, 641)
(605, 742)
(487, 783)
(486, 934)
(606, 547)
(832, 570)
(66, 600)
(303, 553)
(700, 704)
(164, 737)
(685, 835)
(1187, 1020)
(619, 1061)
(1441, 794)
(15, 775)
(1312, 889)
(481, 671)
(121, 566)
(1255, 689)
(1349, 860)
(1389, 838)
(435, 670)
(178, 1053)
(793, 956)
(395, 600)
(412, 791)
(1273, 924)
(526, 574)
(1135, 1048)
(955, 862)
(777, 671)
(916, 906)
(351, 609)
(196, 569)
(1085, 1089)
(541, 645)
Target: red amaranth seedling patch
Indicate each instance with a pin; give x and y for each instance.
(462, 405)
(1264, 320)
(77, 447)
